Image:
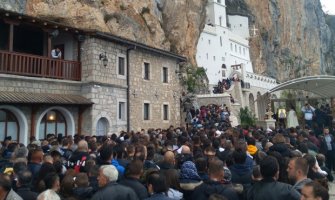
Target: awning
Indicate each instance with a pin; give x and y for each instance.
(321, 85)
(34, 98)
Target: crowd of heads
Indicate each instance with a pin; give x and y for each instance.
(202, 162)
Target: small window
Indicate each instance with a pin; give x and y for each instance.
(121, 66)
(239, 49)
(235, 48)
(231, 47)
(165, 75)
(219, 1)
(122, 111)
(243, 51)
(240, 25)
(207, 55)
(146, 111)
(220, 41)
(224, 66)
(165, 112)
(214, 58)
(223, 73)
(220, 21)
(146, 71)
(209, 41)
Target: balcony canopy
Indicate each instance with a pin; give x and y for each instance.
(321, 85)
(50, 99)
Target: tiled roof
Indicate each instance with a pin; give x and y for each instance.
(33, 98)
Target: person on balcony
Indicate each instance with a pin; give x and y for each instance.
(56, 53)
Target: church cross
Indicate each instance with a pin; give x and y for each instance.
(254, 30)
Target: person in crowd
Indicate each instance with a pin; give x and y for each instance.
(172, 180)
(321, 160)
(309, 113)
(24, 185)
(214, 184)
(241, 172)
(157, 187)
(79, 157)
(314, 191)
(82, 189)
(189, 179)
(202, 168)
(56, 53)
(48, 195)
(134, 171)
(297, 172)
(6, 191)
(109, 188)
(327, 148)
(269, 187)
(292, 119)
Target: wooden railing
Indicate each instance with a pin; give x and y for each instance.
(39, 66)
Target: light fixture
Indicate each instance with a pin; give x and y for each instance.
(104, 59)
(51, 116)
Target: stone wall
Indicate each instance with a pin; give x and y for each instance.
(153, 91)
(102, 84)
(218, 99)
(12, 83)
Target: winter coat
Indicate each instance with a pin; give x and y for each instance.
(115, 191)
(206, 189)
(138, 187)
(174, 194)
(240, 174)
(268, 188)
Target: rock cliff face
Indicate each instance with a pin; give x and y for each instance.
(293, 39)
(170, 25)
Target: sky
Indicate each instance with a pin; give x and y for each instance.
(328, 6)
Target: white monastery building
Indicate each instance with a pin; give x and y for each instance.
(223, 50)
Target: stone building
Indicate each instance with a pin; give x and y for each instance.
(102, 84)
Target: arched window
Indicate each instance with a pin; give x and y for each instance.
(53, 122)
(102, 127)
(9, 125)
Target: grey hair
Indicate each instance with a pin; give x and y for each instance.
(110, 172)
(48, 195)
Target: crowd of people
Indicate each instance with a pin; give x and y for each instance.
(209, 116)
(200, 163)
(222, 86)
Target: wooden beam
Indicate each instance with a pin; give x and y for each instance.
(80, 118)
(12, 21)
(49, 45)
(11, 37)
(34, 109)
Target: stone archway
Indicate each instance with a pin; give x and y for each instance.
(22, 120)
(67, 115)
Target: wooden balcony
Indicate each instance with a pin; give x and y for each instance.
(39, 66)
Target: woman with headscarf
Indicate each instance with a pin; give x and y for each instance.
(189, 179)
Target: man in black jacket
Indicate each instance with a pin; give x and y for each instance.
(133, 174)
(327, 148)
(23, 186)
(214, 184)
(110, 190)
(269, 187)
